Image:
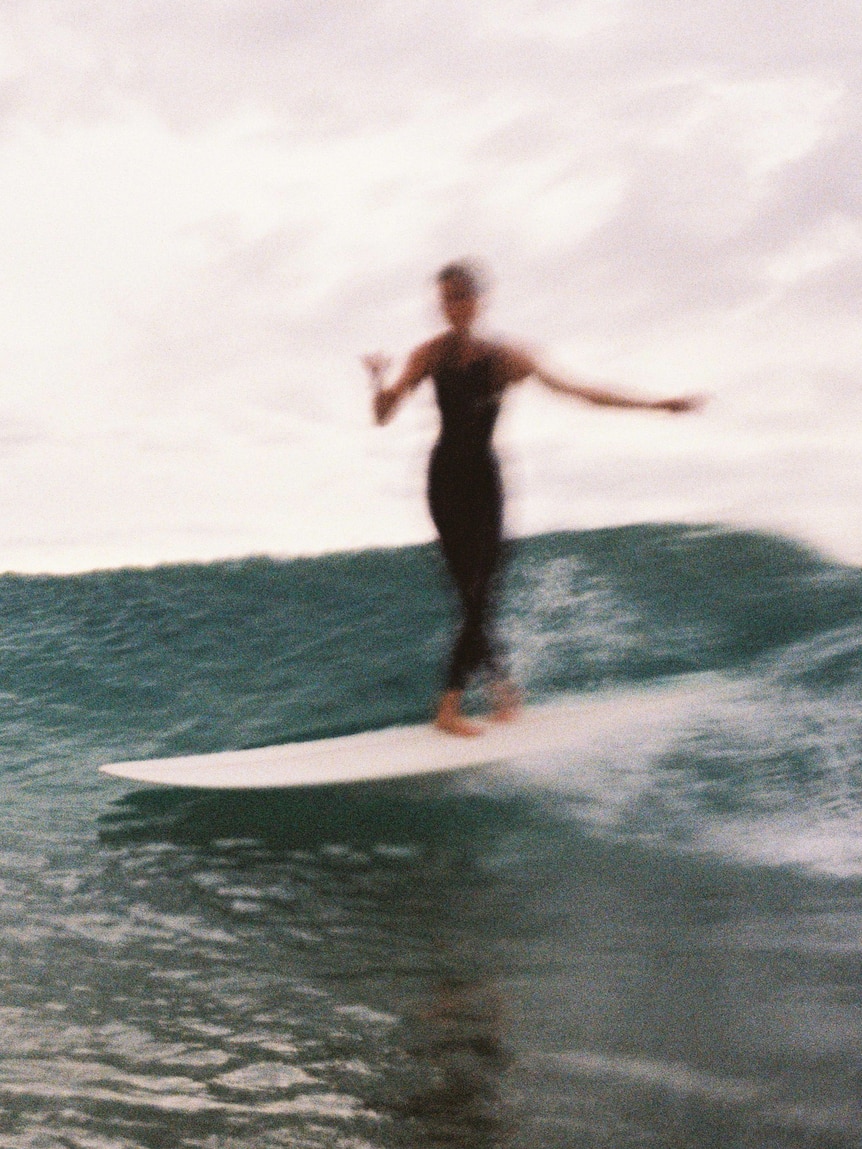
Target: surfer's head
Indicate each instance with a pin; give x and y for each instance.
(461, 286)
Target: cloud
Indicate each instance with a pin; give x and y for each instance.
(208, 211)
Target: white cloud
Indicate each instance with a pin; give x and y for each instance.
(766, 122)
(551, 204)
(207, 212)
(834, 241)
(544, 19)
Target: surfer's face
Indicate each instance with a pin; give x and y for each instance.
(459, 302)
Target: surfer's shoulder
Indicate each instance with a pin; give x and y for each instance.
(514, 363)
(430, 356)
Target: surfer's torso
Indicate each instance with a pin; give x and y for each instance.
(469, 393)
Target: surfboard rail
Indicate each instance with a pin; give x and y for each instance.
(373, 755)
(585, 724)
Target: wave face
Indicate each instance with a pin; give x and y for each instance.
(197, 657)
(194, 658)
(653, 939)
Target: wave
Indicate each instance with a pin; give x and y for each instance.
(763, 635)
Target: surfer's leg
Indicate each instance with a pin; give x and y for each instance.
(448, 499)
(480, 611)
(472, 560)
(473, 650)
(468, 513)
(507, 700)
(450, 717)
(466, 652)
(481, 649)
(450, 510)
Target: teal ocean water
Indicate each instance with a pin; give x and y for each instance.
(655, 940)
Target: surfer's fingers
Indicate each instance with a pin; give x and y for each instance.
(377, 364)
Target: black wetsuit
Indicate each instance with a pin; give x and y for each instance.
(466, 499)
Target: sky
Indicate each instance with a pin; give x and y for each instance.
(210, 210)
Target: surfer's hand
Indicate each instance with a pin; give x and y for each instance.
(680, 405)
(377, 366)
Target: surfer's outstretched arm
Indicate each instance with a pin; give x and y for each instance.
(386, 399)
(521, 365)
(603, 397)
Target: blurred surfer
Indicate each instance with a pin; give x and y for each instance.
(470, 376)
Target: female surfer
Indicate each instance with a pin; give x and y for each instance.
(470, 377)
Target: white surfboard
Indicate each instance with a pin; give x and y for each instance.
(401, 751)
(374, 755)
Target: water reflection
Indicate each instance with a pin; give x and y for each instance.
(458, 1047)
(428, 813)
(351, 922)
(468, 971)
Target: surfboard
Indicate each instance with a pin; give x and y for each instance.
(616, 722)
(371, 756)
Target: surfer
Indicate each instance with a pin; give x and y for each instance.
(470, 376)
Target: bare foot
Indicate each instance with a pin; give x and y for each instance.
(508, 702)
(451, 720)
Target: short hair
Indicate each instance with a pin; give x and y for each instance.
(469, 274)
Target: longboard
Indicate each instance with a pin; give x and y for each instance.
(371, 756)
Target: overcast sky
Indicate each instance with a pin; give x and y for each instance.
(210, 209)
